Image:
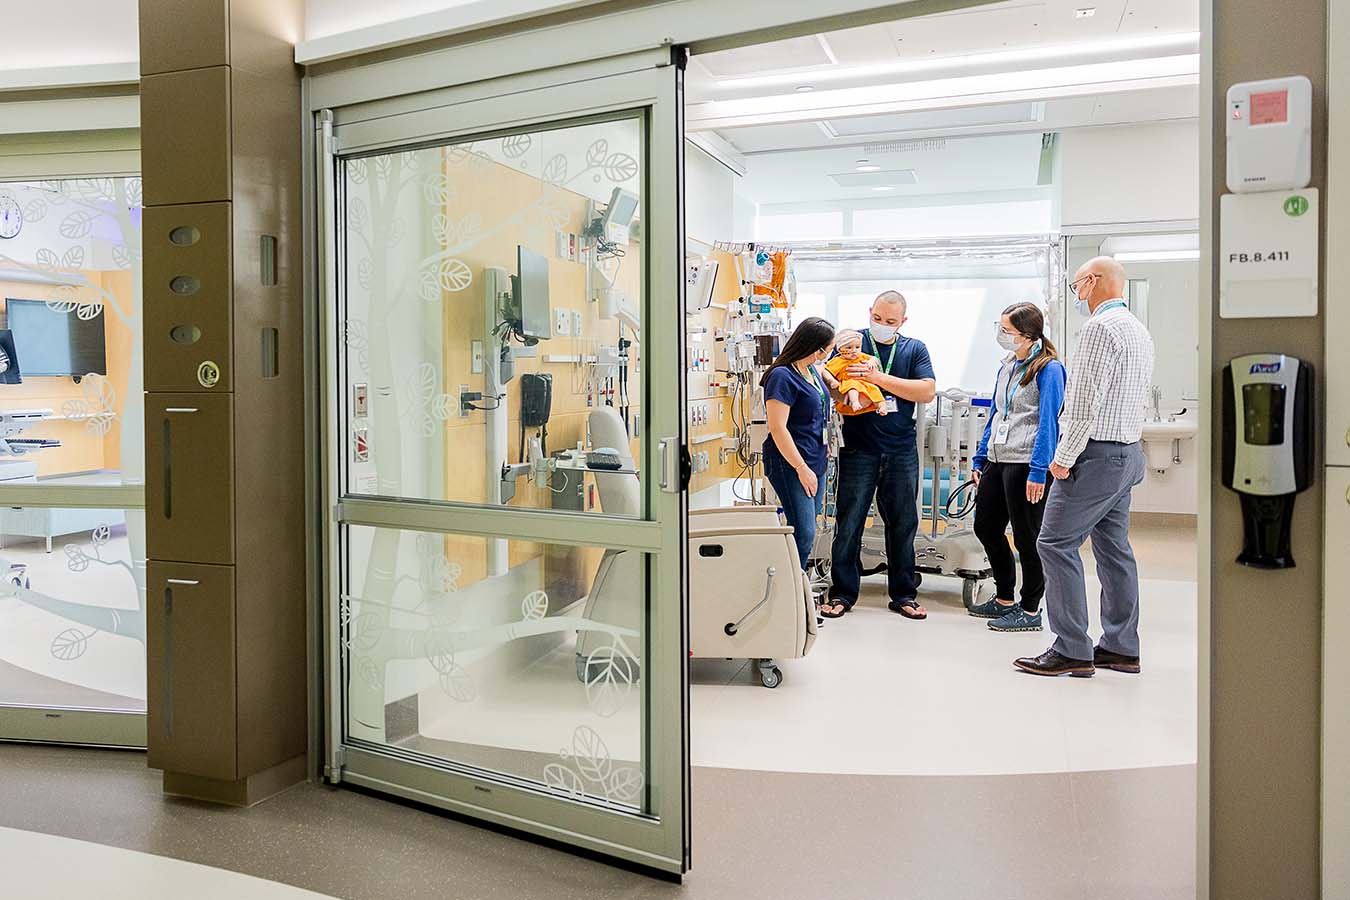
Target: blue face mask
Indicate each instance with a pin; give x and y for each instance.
(1082, 306)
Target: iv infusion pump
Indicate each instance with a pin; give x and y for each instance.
(1267, 449)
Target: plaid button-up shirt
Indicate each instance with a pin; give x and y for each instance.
(1109, 378)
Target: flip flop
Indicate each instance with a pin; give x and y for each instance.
(834, 615)
(909, 610)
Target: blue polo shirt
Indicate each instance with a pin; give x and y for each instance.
(894, 432)
(806, 415)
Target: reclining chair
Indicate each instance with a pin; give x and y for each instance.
(748, 598)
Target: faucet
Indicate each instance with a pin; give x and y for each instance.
(1157, 403)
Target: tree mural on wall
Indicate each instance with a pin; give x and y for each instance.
(409, 403)
(86, 207)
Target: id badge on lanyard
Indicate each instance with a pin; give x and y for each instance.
(1001, 432)
(890, 404)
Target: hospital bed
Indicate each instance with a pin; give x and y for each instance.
(748, 597)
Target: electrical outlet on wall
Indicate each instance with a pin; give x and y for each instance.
(576, 323)
(562, 322)
(476, 354)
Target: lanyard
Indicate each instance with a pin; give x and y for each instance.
(1015, 383)
(815, 383)
(1112, 305)
(877, 351)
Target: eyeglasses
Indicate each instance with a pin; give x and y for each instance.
(1073, 285)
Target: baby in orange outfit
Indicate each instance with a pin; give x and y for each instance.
(859, 396)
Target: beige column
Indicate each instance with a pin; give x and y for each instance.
(1265, 627)
(224, 410)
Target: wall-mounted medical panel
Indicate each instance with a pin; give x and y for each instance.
(188, 302)
(190, 619)
(185, 136)
(190, 477)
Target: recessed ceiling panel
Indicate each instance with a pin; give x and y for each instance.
(889, 177)
(760, 59)
(863, 126)
(1016, 25)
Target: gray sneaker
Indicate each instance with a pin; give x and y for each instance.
(1017, 620)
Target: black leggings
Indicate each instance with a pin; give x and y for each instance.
(1002, 497)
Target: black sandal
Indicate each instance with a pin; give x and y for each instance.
(909, 609)
(844, 609)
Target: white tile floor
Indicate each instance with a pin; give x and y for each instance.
(880, 695)
(45, 867)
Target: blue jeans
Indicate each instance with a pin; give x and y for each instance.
(894, 479)
(799, 510)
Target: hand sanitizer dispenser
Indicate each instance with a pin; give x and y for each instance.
(1267, 449)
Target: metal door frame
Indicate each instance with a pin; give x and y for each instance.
(649, 86)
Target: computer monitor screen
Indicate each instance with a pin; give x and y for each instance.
(622, 208)
(56, 342)
(532, 295)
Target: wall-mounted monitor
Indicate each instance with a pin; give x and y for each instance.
(53, 342)
(529, 289)
(617, 221)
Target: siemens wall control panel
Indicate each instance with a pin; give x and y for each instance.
(1270, 135)
(1267, 449)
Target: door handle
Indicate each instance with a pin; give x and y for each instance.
(670, 474)
(675, 465)
(185, 582)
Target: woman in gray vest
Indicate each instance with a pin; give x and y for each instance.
(1012, 465)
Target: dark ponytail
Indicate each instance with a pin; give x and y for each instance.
(812, 336)
(1029, 321)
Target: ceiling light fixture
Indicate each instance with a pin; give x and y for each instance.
(883, 187)
(1085, 12)
(1096, 49)
(1008, 87)
(804, 88)
(867, 166)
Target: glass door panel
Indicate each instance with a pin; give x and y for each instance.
(493, 295)
(504, 593)
(72, 526)
(532, 675)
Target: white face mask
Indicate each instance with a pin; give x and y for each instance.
(1082, 306)
(1006, 341)
(883, 334)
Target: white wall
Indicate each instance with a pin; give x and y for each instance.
(710, 197)
(70, 33)
(1130, 173)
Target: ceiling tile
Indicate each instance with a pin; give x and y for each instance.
(795, 53)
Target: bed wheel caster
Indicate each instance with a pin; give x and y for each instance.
(769, 675)
(970, 591)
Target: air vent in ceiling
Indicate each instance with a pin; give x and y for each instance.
(891, 178)
(941, 120)
(926, 145)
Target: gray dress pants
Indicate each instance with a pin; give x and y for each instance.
(1094, 501)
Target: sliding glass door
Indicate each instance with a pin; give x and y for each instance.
(504, 455)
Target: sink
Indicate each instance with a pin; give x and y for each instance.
(1158, 440)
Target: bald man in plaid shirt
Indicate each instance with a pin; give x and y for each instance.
(1097, 464)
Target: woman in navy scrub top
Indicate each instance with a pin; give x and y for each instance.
(798, 404)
